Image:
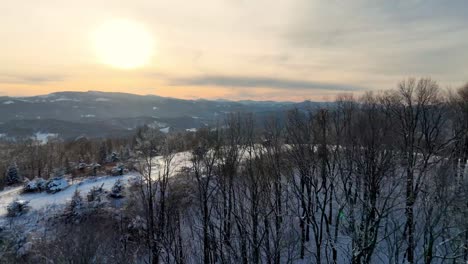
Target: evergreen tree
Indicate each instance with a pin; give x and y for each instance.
(117, 189)
(76, 201)
(114, 157)
(75, 207)
(95, 194)
(17, 207)
(12, 175)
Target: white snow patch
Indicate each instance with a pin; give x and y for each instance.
(44, 137)
(157, 124)
(165, 130)
(8, 102)
(191, 129)
(64, 99)
(40, 200)
(88, 116)
(155, 108)
(179, 161)
(102, 99)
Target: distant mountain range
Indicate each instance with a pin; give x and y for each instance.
(99, 114)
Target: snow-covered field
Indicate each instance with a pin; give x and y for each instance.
(41, 200)
(44, 137)
(180, 160)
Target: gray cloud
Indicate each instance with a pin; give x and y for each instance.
(256, 82)
(366, 22)
(379, 39)
(30, 79)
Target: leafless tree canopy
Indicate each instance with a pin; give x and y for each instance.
(375, 179)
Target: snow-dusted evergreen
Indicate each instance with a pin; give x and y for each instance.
(17, 207)
(96, 196)
(35, 185)
(74, 210)
(117, 189)
(56, 184)
(12, 176)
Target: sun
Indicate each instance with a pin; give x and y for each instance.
(123, 44)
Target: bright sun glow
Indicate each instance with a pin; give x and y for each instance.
(123, 44)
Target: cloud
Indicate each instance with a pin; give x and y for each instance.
(345, 44)
(30, 79)
(378, 41)
(264, 82)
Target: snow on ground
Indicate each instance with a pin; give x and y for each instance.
(44, 137)
(62, 99)
(40, 200)
(88, 116)
(157, 124)
(165, 130)
(8, 102)
(179, 161)
(102, 99)
(7, 196)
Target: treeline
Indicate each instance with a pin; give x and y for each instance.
(31, 158)
(375, 179)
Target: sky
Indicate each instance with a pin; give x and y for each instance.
(236, 49)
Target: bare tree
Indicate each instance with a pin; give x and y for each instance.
(204, 157)
(418, 119)
(150, 145)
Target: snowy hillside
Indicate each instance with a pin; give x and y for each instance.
(40, 200)
(43, 199)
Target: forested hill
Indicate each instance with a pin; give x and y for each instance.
(98, 114)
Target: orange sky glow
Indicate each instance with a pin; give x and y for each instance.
(286, 50)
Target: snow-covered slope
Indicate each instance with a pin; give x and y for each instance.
(40, 200)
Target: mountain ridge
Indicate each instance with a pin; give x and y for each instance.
(140, 95)
(64, 112)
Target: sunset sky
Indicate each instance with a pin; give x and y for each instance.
(235, 49)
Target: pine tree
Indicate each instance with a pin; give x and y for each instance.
(114, 157)
(95, 194)
(12, 175)
(117, 189)
(17, 207)
(75, 207)
(76, 201)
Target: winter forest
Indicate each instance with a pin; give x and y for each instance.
(375, 178)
